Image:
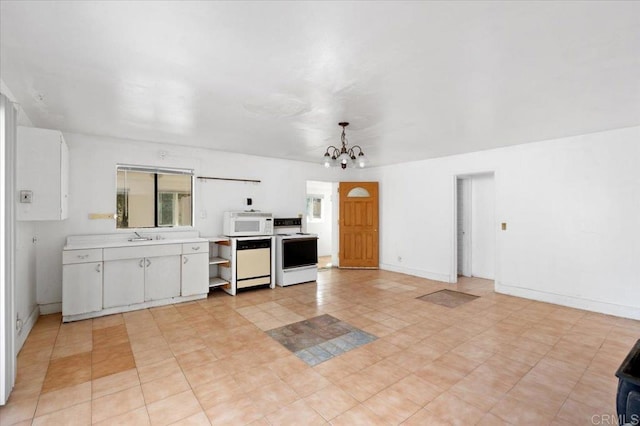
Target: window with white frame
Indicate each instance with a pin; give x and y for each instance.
(314, 208)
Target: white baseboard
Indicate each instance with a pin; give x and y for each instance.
(632, 312)
(137, 306)
(50, 308)
(416, 272)
(27, 325)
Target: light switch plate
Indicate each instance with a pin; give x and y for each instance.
(504, 226)
(26, 196)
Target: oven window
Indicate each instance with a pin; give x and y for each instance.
(299, 252)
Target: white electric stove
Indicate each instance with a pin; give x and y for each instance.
(296, 253)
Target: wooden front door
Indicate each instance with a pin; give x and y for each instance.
(358, 224)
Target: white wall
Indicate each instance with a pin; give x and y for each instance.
(322, 227)
(26, 307)
(7, 246)
(92, 189)
(483, 226)
(571, 206)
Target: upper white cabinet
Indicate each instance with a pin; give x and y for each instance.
(43, 172)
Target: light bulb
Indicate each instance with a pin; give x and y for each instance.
(362, 160)
(344, 158)
(326, 160)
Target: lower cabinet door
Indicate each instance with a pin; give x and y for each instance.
(81, 288)
(195, 274)
(162, 277)
(123, 282)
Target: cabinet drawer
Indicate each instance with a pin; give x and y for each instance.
(195, 248)
(119, 253)
(81, 256)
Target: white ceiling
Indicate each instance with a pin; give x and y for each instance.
(415, 79)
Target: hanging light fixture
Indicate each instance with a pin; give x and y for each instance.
(344, 156)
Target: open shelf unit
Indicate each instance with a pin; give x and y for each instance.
(219, 264)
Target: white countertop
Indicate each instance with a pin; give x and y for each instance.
(125, 243)
(83, 242)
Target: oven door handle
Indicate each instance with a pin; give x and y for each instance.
(296, 240)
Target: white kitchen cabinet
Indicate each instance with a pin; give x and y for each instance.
(123, 282)
(131, 281)
(131, 274)
(195, 277)
(137, 274)
(162, 277)
(81, 288)
(43, 171)
(195, 268)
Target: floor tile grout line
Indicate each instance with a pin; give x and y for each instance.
(47, 372)
(539, 318)
(146, 410)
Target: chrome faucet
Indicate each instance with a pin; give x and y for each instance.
(139, 237)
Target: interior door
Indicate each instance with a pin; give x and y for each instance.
(464, 226)
(358, 224)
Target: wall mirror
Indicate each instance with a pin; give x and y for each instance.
(148, 197)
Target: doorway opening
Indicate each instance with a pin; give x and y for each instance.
(475, 226)
(321, 217)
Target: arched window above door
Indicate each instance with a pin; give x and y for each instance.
(358, 192)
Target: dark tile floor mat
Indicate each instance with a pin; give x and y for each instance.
(320, 338)
(448, 298)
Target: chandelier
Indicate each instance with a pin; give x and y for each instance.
(344, 156)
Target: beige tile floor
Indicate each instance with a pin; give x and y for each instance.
(324, 262)
(495, 360)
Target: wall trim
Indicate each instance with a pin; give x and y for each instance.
(27, 325)
(50, 308)
(623, 311)
(417, 272)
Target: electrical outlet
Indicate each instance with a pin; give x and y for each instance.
(504, 226)
(26, 196)
(249, 201)
(19, 324)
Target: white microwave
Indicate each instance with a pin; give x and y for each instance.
(246, 224)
